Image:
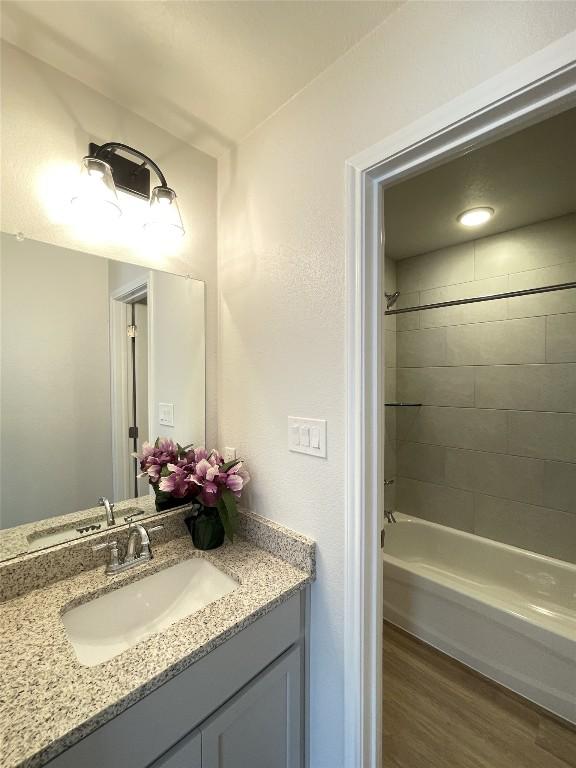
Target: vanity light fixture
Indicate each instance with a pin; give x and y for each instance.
(103, 171)
(474, 217)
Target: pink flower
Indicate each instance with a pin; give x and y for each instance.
(155, 456)
(200, 453)
(209, 494)
(236, 478)
(206, 470)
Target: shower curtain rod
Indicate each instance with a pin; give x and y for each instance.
(476, 299)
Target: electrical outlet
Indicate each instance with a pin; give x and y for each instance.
(229, 454)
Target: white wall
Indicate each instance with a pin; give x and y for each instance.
(48, 119)
(55, 407)
(281, 274)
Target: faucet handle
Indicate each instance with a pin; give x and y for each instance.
(113, 547)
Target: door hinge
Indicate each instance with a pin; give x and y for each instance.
(132, 331)
(382, 537)
(133, 432)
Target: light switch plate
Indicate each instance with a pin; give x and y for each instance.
(307, 436)
(229, 454)
(166, 414)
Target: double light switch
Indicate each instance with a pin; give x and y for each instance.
(307, 436)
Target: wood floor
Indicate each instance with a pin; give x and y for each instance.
(439, 714)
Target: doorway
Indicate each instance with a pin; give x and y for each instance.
(480, 455)
(544, 85)
(130, 342)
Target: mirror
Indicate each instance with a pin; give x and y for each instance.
(96, 357)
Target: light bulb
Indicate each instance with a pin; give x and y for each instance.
(95, 199)
(476, 216)
(164, 222)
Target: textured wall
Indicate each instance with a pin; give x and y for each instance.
(282, 266)
(48, 119)
(493, 448)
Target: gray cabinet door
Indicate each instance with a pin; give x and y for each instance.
(260, 727)
(187, 753)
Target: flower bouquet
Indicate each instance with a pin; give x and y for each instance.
(181, 475)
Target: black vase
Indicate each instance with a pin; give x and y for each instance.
(164, 501)
(206, 529)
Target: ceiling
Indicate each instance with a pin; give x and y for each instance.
(208, 72)
(527, 177)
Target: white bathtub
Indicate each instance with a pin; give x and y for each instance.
(507, 613)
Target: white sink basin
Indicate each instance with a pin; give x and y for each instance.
(114, 622)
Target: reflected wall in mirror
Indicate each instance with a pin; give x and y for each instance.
(96, 357)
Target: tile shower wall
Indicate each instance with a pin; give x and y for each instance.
(492, 449)
(390, 391)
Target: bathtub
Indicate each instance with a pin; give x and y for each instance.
(507, 613)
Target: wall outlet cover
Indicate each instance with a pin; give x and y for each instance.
(307, 436)
(166, 414)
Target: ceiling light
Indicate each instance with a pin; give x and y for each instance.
(476, 216)
(104, 170)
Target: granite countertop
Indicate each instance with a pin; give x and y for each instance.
(49, 701)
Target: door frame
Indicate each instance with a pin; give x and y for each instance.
(537, 87)
(121, 415)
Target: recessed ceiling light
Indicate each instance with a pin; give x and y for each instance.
(475, 216)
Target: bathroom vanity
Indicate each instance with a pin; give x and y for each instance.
(221, 687)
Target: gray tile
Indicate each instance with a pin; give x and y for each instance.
(471, 428)
(537, 529)
(390, 323)
(446, 385)
(390, 462)
(390, 384)
(536, 246)
(543, 435)
(432, 270)
(527, 387)
(390, 497)
(421, 348)
(390, 425)
(555, 303)
(560, 486)
(411, 320)
(389, 339)
(436, 503)
(509, 341)
(408, 322)
(538, 278)
(465, 313)
(561, 339)
(509, 477)
(422, 462)
(390, 274)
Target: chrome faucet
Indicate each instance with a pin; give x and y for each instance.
(389, 513)
(103, 502)
(137, 551)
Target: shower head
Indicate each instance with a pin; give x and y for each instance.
(391, 299)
